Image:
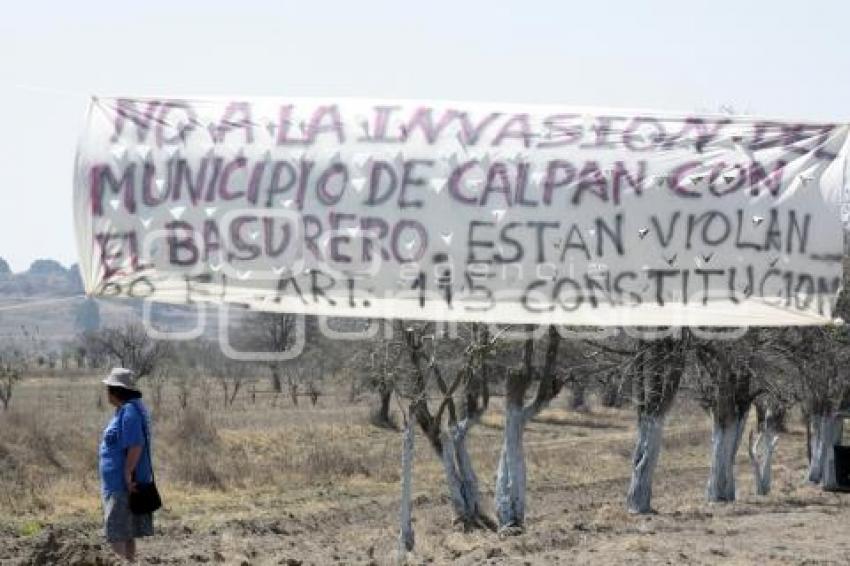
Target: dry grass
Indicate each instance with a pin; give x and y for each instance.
(39, 457)
(192, 446)
(48, 447)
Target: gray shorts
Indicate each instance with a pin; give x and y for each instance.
(120, 524)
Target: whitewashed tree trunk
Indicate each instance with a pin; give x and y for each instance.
(831, 431)
(761, 448)
(460, 476)
(816, 446)
(510, 477)
(466, 473)
(647, 449)
(725, 440)
(453, 481)
(406, 537)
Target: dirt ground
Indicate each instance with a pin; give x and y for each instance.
(345, 510)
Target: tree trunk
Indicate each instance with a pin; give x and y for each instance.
(233, 394)
(468, 478)
(807, 421)
(760, 449)
(277, 382)
(381, 417)
(761, 415)
(647, 449)
(725, 440)
(831, 431)
(461, 478)
(578, 396)
(386, 399)
(777, 418)
(510, 477)
(406, 537)
(771, 415)
(816, 445)
(6, 393)
(183, 395)
(452, 477)
(612, 395)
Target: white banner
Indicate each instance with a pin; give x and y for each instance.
(462, 212)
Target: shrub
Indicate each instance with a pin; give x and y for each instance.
(194, 445)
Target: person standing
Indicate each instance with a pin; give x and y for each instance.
(124, 463)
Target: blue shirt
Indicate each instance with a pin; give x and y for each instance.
(123, 432)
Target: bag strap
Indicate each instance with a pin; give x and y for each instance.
(147, 438)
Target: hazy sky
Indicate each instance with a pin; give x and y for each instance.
(777, 57)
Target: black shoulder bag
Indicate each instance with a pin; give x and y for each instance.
(146, 498)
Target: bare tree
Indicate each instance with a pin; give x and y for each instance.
(184, 381)
(189, 370)
(313, 391)
(279, 332)
(656, 375)
(461, 404)
(274, 333)
(406, 535)
(381, 376)
(615, 387)
(12, 364)
(156, 380)
(309, 372)
(772, 410)
(510, 489)
(578, 385)
(727, 384)
(760, 449)
(820, 355)
(17, 354)
(653, 369)
(128, 346)
(230, 374)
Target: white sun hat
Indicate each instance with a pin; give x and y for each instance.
(120, 377)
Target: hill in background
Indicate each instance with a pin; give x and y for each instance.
(49, 298)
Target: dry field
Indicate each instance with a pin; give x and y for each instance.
(263, 484)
